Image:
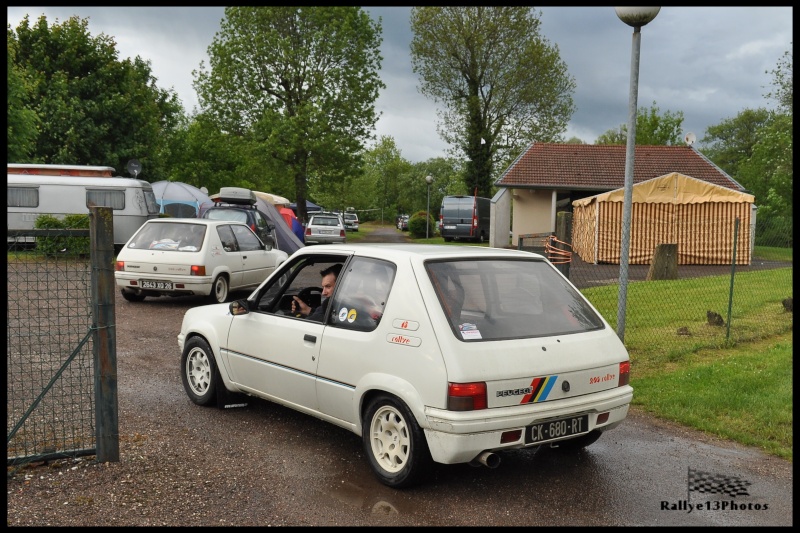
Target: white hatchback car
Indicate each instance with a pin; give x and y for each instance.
(450, 354)
(325, 229)
(185, 256)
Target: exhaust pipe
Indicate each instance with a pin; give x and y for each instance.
(488, 459)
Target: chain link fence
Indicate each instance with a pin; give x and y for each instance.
(704, 306)
(59, 367)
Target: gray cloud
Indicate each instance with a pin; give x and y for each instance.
(709, 63)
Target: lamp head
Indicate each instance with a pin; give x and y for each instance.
(429, 179)
(637, 16)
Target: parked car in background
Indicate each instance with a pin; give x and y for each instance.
(325, 229)
(351, 221)
(402, 222)
(239, 204)
(179, 257)
(429, 353)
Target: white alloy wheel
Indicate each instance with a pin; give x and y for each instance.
(219, 290)
(390, 439)
(199, 371)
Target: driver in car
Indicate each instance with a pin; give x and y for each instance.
(329, 276)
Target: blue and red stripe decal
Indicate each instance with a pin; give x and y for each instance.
(540, 389)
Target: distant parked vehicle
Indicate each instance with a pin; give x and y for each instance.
(237, 203)
(325, 229)
(61, 190)
(351, 221)
(465, 218)
(402, 222)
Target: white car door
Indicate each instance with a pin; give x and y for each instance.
(256, 263)
(276, 356)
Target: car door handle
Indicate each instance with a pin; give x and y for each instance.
(310, 338)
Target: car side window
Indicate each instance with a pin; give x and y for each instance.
(227, 239)
(360, 300)
(246, 239)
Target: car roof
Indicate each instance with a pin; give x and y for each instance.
(399, 252)
(198, 221)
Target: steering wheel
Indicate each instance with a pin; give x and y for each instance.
(307, 293)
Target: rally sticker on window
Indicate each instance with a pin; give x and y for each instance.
(469, 331)
(350, 315)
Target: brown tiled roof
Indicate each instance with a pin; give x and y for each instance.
(593, 167)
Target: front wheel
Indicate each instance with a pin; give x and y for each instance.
(199, 371)
(219, 290)
(394, 443)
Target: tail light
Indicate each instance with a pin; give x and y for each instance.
(308, 231)
(198, 270)
(624, 373)
(466, 396)
(341, 233)
(119, 266)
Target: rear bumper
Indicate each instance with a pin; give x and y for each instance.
(459, 437)
(200, 285)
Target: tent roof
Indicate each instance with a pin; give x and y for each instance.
(673, 188)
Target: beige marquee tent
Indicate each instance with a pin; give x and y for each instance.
(674, 208)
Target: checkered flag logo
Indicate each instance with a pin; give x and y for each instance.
(708, 483)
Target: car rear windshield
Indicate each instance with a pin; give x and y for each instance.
(235, 215)
(325, 221)
(493, 299)
(169, 236)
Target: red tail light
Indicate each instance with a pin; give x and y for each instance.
(308, 231)
(624, 373)
(341, 233)
(198, 270)
(466, 396)
(119, 266)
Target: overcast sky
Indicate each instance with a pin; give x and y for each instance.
(709, 63)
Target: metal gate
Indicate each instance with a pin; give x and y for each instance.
(61, 386)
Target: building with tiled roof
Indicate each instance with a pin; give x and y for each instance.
(548, 177)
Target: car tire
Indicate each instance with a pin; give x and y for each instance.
(219, 290)
(579, 443)
(394, 443)
(132, 296)
(199, 372)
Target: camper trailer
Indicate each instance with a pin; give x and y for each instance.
(61, 190)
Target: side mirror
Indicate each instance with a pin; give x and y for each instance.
(238, 307)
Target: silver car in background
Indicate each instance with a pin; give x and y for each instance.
(325, 229)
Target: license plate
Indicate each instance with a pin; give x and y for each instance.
(449, 227)
(156, 284)
(555, 429)
(326, 232)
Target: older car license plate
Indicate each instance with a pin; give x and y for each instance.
(156, 284)
(555, 429)
(449, 227)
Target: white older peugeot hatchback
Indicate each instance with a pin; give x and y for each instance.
(429, 353)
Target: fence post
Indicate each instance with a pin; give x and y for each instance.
(733, 274)
(101, 233)
(564, 234)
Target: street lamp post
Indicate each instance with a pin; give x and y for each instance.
(636, 17)
(428, 180)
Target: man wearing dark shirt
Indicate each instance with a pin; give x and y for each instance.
(329, 276)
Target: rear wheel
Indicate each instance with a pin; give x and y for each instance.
(132, 296)
(394, 443)
(219, 290)
(199, 371)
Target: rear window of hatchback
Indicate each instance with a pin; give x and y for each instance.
(495, 299)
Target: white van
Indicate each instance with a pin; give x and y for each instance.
(61, 190)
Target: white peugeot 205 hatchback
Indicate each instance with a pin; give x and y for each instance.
(190, 256)
(429, 353)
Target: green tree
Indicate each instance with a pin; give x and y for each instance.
(653, 128)
(387, 172)
(502, 85)
(768, 172)
(92, 108)
(22, 122)
(301, 82)
(730, 143)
